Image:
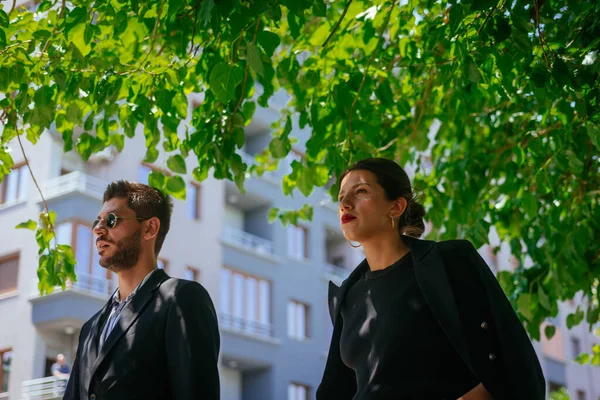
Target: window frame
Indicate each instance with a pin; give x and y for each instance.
(4, 184)
(297, 385)
(7, 258)
(307, 328)
(195, 271)
(2, 352)
(198, 206)
(231, 294)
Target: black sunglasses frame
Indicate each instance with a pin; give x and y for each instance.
(115, 218)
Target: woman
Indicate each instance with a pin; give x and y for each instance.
(418, 319)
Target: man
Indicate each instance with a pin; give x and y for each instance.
(60, 369)
(157, 337)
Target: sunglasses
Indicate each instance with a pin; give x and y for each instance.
(111, 220)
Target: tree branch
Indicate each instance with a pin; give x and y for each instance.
(540, 34)
(12, 8)
(487, 18)
(156, 24)
(379, 44)
(30, 170)
(239, 103)
(337, 25)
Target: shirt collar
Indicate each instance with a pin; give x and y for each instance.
(116, 297)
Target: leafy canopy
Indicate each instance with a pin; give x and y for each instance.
(513, 84)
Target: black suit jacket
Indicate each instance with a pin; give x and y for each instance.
(165, 346)
(473, 311)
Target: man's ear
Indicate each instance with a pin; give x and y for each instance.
(151, 228)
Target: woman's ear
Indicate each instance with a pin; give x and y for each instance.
(399, 207)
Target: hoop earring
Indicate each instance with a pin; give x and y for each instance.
(356, 247)
(393, 224)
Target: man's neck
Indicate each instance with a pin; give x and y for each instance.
(131, 278)
(381, 252)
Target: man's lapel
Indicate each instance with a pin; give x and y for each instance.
(130, 314)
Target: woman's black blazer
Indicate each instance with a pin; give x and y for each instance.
(470, 306)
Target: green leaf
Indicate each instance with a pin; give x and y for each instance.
(2, 39)
(524, 306)
(176, 164)
(156, 179)
(176, 187)
(223, 80)
(254, 59)
(593, 132)
(550, 330)
(30, 224)
(4, 20)
(543, 298)
(473, 73)
(582, 358)
(273, 212)
(181, 105)
(280, 147)
(269, 42)
(200, 173)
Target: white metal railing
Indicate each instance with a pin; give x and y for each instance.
(94, 284)
(232, 322)
(74, 182)
(87, 283)
(43, 389)
(247, 240)
(338, 272)
(4, 395)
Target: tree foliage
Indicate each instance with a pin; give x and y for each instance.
(514, 85)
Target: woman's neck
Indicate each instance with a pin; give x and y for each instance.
(381, 252)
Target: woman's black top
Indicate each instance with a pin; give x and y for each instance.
(393, 342)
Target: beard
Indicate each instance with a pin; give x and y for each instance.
(126, 254)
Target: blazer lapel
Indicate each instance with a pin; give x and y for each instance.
(130, 314)
(436, 288)
(336, 294)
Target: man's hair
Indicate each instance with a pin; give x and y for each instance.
(147, 202)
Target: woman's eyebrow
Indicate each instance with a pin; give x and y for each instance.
(358, 184)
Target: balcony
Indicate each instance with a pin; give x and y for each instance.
(74, 183)
(248, 241)
(65, 310)
(336, 274)
(49, 388)
(240, 326)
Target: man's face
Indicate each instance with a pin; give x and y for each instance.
(119, 247)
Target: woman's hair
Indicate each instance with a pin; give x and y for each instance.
(395, 183)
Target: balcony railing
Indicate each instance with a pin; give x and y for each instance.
(340, 273)
(43, 389)
(87, 283)
(74, 182)
(247, 240)
(243, 325)
(93, 284)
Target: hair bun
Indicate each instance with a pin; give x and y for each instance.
(414, 219)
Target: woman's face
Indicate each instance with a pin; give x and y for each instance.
(364, 209)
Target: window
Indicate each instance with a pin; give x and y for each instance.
(13, 187)
(191, 274)
(297, 242)
(5, 360)
(580, 395)
(162, 264)
(297, 392)
(193, 200)
(9, 273)
(245, 302)
(297, 320)
(90, 274)
(575, 346)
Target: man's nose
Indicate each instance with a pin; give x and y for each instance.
(100, 228)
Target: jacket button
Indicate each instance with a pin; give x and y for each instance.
(92, 397)
(492, 356)
(484, 325)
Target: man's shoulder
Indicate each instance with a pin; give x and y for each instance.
(181, 289)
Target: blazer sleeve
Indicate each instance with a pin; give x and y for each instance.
(73, 385)
(339, 380)
(522, 364)
(192, 344)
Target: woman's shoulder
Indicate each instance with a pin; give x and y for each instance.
(456, 245)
